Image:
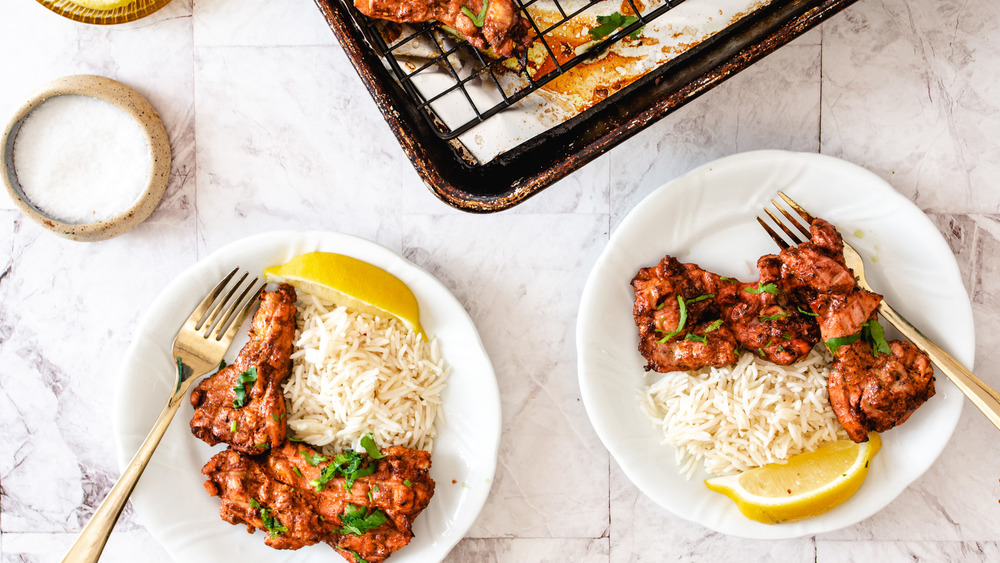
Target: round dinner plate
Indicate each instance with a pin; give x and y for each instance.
(170, 499)
(708, 217)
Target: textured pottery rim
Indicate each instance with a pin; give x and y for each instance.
(124, 14)
(135, 106)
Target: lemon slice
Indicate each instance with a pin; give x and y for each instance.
(352, 283)
(808, 485)
(102, 4)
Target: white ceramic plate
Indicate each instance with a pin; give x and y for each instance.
(708, 217)
(170, 499)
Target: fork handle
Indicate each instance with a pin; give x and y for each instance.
(981, 395)
(90, 543)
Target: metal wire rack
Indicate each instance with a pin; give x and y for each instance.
(411, 51)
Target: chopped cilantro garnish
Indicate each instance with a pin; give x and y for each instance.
(714, 326)
(804, 312)
(222, 364)
(701, 298)
(249, 376)
(313, 459)
(835, 343)
(254, 503)
(273, 525)
(349, 465)
(234, 425)
(277, 417)
(407, 482)
(368, 443)
(786, 336)
(296, 471)
(773, 317)
(871, 332)
(606, 25)
(477, 19)
(262, 446)
(680, 322)
(875, 335)
(355, 520)
(762, 288)
(695, 338)
(357, 556)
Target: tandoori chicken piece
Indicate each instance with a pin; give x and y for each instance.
(485, 24)
(877, 392)
(817, 272)
(362, 507)
(679, 326)
(242, 404)
(719, 317)
(766, 319)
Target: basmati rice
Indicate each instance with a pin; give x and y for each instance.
(354, 373)
(745, 416)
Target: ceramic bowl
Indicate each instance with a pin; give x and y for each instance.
(125, 99)
(129, 12)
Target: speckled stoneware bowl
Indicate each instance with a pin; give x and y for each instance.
(129, 12)
(134, 105)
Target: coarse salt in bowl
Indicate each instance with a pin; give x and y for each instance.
(86, 157)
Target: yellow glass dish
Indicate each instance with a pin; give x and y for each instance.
(129, 12)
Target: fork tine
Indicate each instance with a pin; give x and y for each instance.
(774, 236)
(211, 320)
(198, 314)
(788, 231)
(798, 208)
(230, 324)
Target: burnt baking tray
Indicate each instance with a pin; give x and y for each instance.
(460, 180)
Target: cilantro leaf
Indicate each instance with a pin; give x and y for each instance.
(606, 25)
(773, 317)
(875, 335)
(808, 313)
(701, 298)
(249, 376)
(273, 525)
(313, 459)
(762, 288)
(348, 465)
(835, 343)
(355, 520)
(695, 338)
(368, 443)
(477, 19)
(714, 326)
(680, 322)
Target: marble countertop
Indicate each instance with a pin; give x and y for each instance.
(272, 129)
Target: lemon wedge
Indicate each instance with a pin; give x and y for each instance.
(102, 4)
(350, 282)
(808, 485)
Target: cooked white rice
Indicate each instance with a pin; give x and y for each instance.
(354, 373)
(744, 416)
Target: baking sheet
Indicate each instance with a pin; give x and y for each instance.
(670, 35)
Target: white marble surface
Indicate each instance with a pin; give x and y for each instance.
(271, 128)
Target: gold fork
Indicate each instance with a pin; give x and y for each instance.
(198, 349)
(981, 395)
